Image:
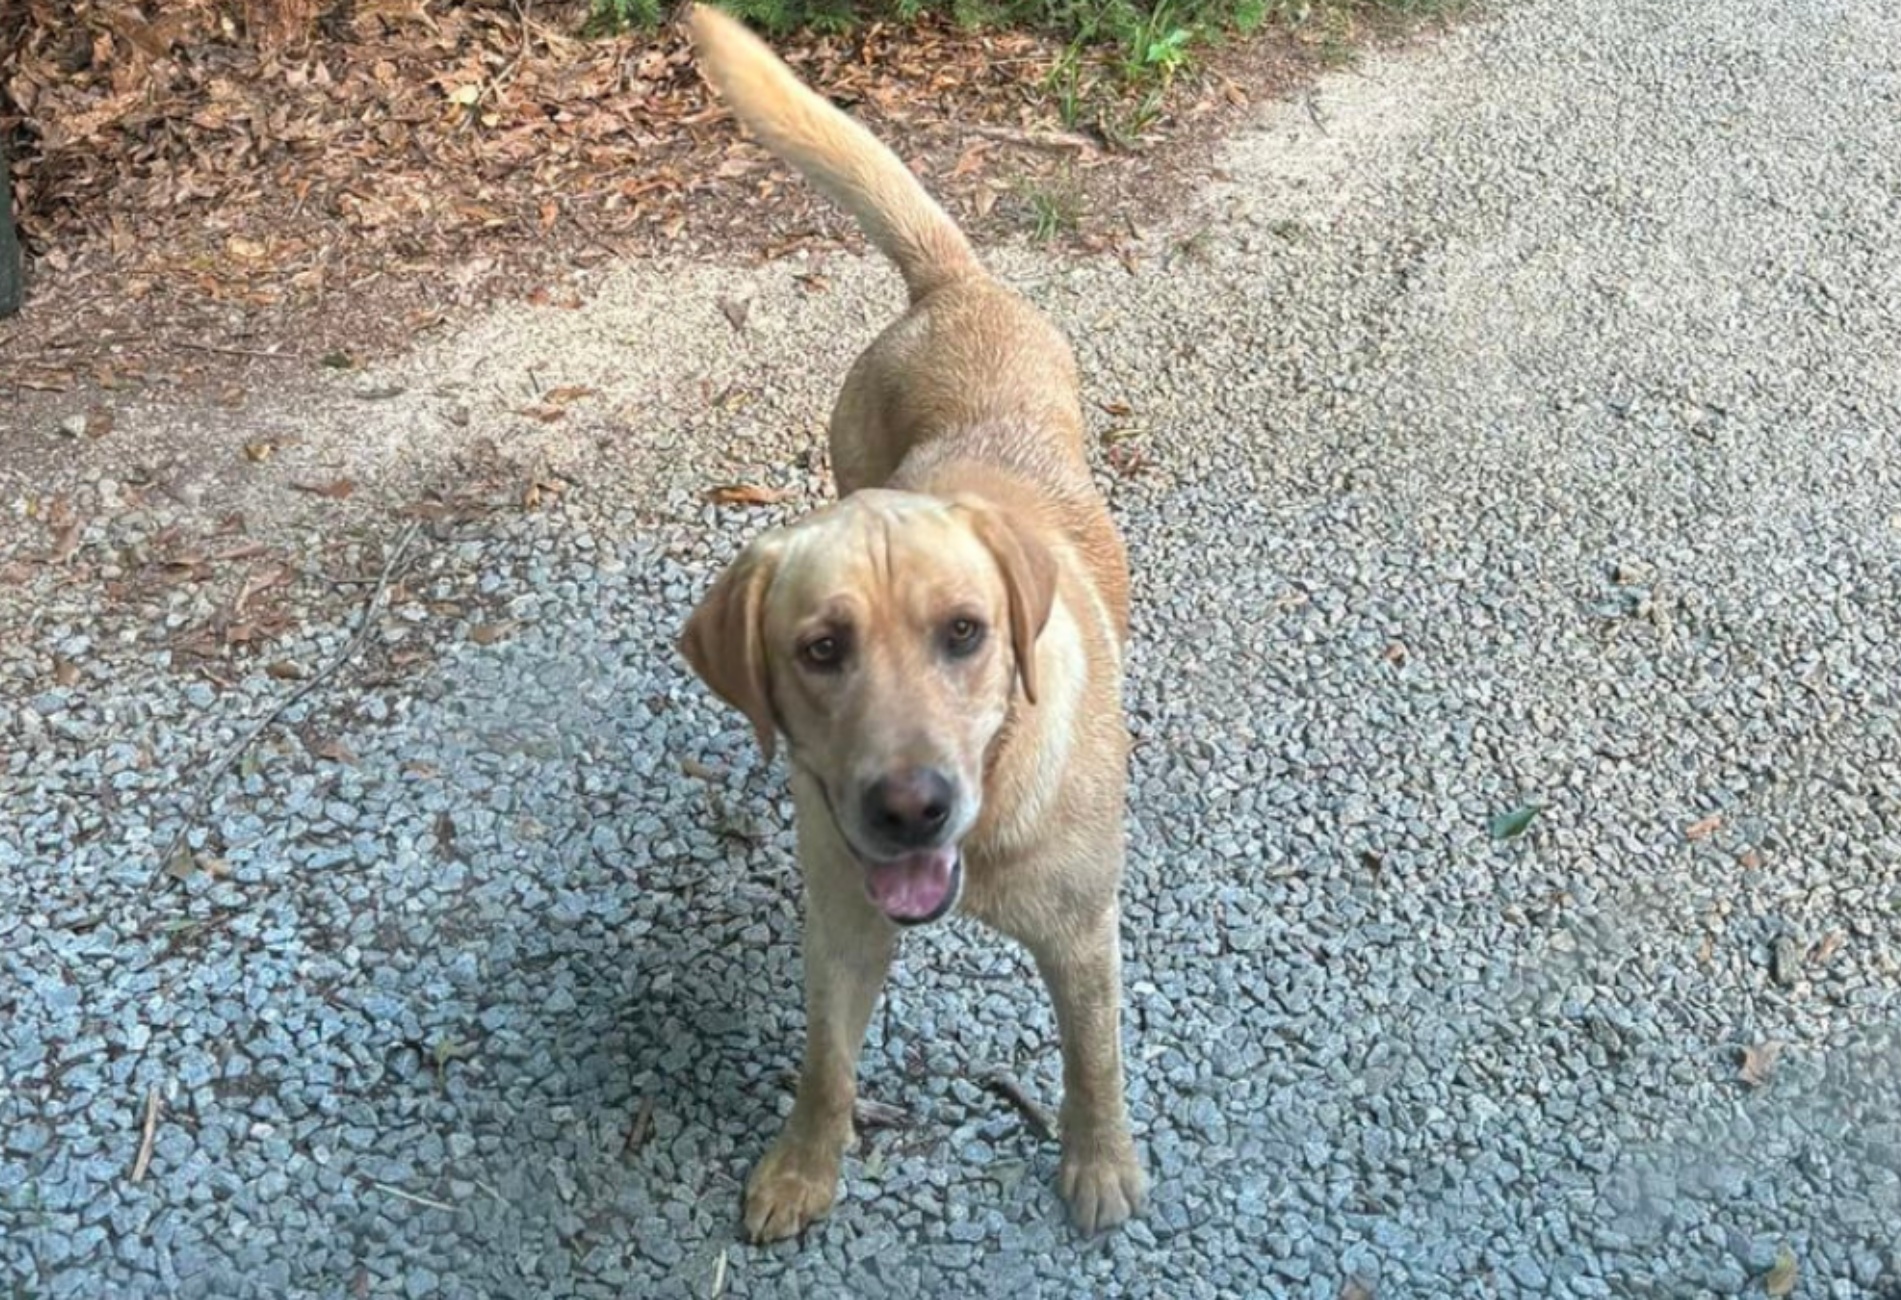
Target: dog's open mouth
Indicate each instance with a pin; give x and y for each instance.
(916, 887)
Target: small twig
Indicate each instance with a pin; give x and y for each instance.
(411, 1196)
(237, 352)
(869, 1114)
(642, 1126)
(1312, 104)
(1036, 139)
(144, 1161)
(249, 738)
(1041, 1122)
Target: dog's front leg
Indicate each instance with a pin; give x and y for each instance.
(848, 948)
(1100, 1177)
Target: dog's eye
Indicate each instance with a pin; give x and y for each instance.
(823, 653)
(962, 636)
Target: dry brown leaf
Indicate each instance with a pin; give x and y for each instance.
(1120, 410)
(99, 421)
(285, 671)
(1825, 951)
(1126, 459)
(336, 751)
(568, 393)
(335, 489)
(1702, 830)
(182, 866)
(971, 160)
(736, 310)
(65, 671)
(245, 551)
(731, 399)
(746, 494)
(1751, 860)
(546, 414)
(1759, 1062)
(490, 633)
(538, 488)
(65, 543)
(1782, 1276)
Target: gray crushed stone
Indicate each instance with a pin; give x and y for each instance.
(1520, 426)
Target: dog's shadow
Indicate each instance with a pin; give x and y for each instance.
(706, 1005)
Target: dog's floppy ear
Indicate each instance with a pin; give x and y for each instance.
(1029, 576)
(725, 636)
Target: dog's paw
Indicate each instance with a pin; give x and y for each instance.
(790, 1189)
(1102, 1184)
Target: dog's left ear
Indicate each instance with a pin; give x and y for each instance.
(1029, 577)
(725, 637)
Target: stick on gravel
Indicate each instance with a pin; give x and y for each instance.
(147, 1136)
(1041, 1122)
(249, 738)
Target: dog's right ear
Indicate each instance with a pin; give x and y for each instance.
(725, 636)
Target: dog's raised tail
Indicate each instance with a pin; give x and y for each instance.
(839, 156)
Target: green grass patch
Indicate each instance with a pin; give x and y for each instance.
(1053, 207)
(1151, 41)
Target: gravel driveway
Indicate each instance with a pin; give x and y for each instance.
(1516, 423)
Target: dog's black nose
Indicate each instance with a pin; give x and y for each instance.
(909, 809)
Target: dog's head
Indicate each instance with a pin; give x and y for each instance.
(883, 637)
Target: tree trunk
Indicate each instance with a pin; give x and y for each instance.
(12, 266)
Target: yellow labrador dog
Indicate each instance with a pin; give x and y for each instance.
(942, 652)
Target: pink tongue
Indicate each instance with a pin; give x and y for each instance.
(914, 886)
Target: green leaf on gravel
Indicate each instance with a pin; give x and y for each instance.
(1509, 826)
(1781, 1278)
